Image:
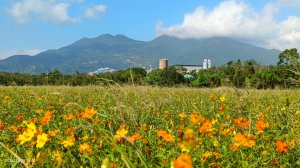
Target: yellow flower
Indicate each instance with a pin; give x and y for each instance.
(32, 127)
(57, 156)
(182, 115)
(28, 134)
(264, 153)
(216, 143)
(25, 137)
(69, 142)
(85, 138)
(54, 133)
(292, 144)
(222, 98)
(41, 140)
(120, 134)
(85, 148)
(105, 163)
(207, 155)
(184, 147)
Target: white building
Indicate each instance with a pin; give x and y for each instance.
(206, 64)
(190, 68)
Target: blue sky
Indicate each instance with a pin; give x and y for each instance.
(31, 26)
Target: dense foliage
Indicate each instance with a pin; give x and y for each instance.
(148, 127)
(247, 74)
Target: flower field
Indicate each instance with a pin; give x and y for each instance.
(148, 127)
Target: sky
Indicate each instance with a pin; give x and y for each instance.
(33, 26)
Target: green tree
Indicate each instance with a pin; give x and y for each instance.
(289, 65)
(165, 77)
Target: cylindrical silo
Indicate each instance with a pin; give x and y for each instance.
(163, 63)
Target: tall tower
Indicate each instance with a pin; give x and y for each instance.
(163, 63)
(208, 64)
(205, 64)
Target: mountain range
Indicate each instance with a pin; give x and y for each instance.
(120, 52)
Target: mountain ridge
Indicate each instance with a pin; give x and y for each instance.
(119, 52)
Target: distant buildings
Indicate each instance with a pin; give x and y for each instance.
(206, 64)
(102, 70)
(188, 68)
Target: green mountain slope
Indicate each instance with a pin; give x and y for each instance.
(119, 52)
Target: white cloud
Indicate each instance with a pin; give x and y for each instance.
(31, 52)
(48, 10)
(236, 19)
(95, 11)
(288, 3)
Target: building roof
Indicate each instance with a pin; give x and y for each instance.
(189, 65)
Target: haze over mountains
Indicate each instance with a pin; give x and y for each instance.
(120, 52)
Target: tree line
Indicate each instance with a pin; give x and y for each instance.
(241, 74)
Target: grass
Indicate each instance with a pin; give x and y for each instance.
(149, 127)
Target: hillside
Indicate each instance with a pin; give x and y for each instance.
(119, 52)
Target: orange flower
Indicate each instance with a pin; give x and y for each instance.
(261, 125)
(88, 113)
(69, 131)
(85, 148)
(70, 117)
(134, 138)
(19, 118)
(34, 120)
(13, 128)
(166, 137)
(241, 122)
(145, 128)
(2, 126)
(269, 108)
(120, 133)
(39, 131)
(206, 128)
(161, 132)
(97, 119)
(212, 97)
(166, 114)
(145, 142)
(241, 140)
(207, 155)
(189, 140)
(189, 135)
(221, 107)
(196, 119)
(184, 161)
(227, 131)
(46, 119)
(23, 100)
(282, 146)
(39, 111)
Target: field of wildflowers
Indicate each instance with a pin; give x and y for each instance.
(148, 127)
